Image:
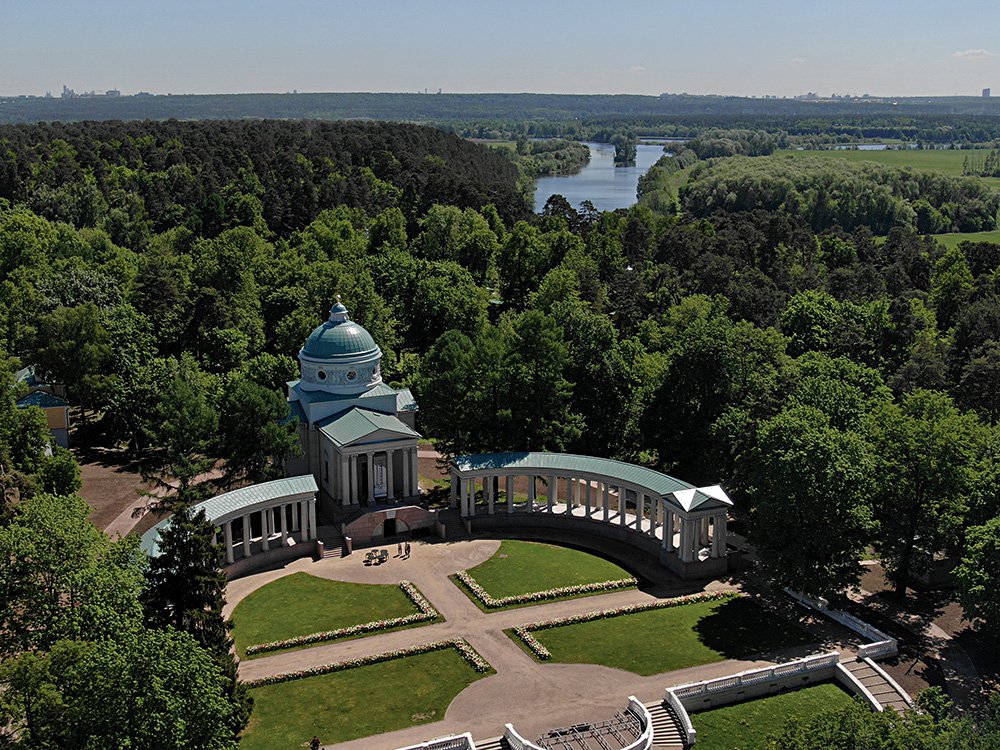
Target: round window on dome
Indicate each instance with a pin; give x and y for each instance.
(321, 374)
(352, 375)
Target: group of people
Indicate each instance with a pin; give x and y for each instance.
(402, 549)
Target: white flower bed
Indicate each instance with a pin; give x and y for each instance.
(525, 632)
(426, 613)
(473, 657)
(491, 602)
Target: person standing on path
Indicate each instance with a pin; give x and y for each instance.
(407, 550)
(314, 743)
(399, 549)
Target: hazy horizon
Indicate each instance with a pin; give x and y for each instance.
(729, 48)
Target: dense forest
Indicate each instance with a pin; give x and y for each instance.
(168, 273)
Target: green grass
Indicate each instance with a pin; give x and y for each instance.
(523, 567)
(952, 240)
(746, 726)
(301, 604)
(942, 161)
(662, 640)
(358, 702)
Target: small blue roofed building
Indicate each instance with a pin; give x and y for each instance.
(358, 435)
(47, 398)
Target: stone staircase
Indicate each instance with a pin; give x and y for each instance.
(333, 542)
(496, 743)
(454, 526)
(877, 685)
(666, 727)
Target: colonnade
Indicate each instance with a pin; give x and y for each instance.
(276, 524)
(350, 478)
(685, 533)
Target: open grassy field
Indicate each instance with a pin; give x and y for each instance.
(662, 640)
(943, 161)
(523, 567)
(746, 726)
(358, 702)
(953, 239)
(301, 604)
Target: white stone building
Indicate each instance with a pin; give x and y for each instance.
(357, 433)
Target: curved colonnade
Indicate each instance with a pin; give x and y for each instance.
(687, 525)
(269, 519)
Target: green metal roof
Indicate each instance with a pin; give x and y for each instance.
(314, 397)
(334, 339)
(685, 495)
(405, 400)
(42, 399)
(231, 503)
(357, 424)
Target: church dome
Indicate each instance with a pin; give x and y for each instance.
(340, 356)
(338, 337)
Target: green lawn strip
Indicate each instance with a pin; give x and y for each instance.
(747, 725)
(520, 567)
(662, 640)
(357, 702)
(954, 238)
(301, 604)
(565, 597)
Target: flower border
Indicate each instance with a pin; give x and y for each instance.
(525, 632)
(491, 602)
(426, 613)
(466, 651)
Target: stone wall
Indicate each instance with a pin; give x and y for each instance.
(368, 529)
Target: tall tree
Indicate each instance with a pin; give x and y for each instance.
(811, 520)
(976, 575)
(186, 589)
(925, 449)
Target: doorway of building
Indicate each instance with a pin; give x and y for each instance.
(389, 527)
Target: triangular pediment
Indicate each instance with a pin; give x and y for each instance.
(362, 426)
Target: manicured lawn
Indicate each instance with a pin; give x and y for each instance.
(662, 640)
(746, 726)
(301, 604)
(523, 567)
(358, 702)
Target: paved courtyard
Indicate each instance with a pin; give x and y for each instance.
(534, 697)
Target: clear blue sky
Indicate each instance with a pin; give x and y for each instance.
(751, 47)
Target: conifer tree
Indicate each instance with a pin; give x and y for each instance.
(186, 591)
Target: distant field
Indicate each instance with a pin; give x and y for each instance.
(947, 161)
(952, 240)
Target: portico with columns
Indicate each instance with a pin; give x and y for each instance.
(687, 525)
(357, 433)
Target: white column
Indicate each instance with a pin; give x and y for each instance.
(572, 494)
(313, 531)
(587, 499)
(622, 503)
(345, 481)
(532, 490)
(703, 532)
(668, 531)
(355, 484)
(246, 535)
(654, 515)
(640, 510)
(370, 457)
(303, 521)
(389, 478)
(283, 526)
(489, 491)
(719, 533)
(685, 546)
(552, 492)
(227, 535)
(510, 493)
(415, 470)
(455, 482)
(604, 500)
(265, 528)
(406, 473)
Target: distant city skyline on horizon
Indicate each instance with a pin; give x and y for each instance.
(727, 48)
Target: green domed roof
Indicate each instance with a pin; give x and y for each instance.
(339, 337)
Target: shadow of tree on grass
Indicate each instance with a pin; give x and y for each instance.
(740, 628)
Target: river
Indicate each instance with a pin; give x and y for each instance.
(602, 183)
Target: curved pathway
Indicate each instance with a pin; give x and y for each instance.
(534, 696)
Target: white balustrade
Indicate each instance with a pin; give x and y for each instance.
(690, 735)
(516, 741)
(641, 713)
(455, 742)
(881, 644)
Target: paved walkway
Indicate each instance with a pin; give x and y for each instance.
(535, 697)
